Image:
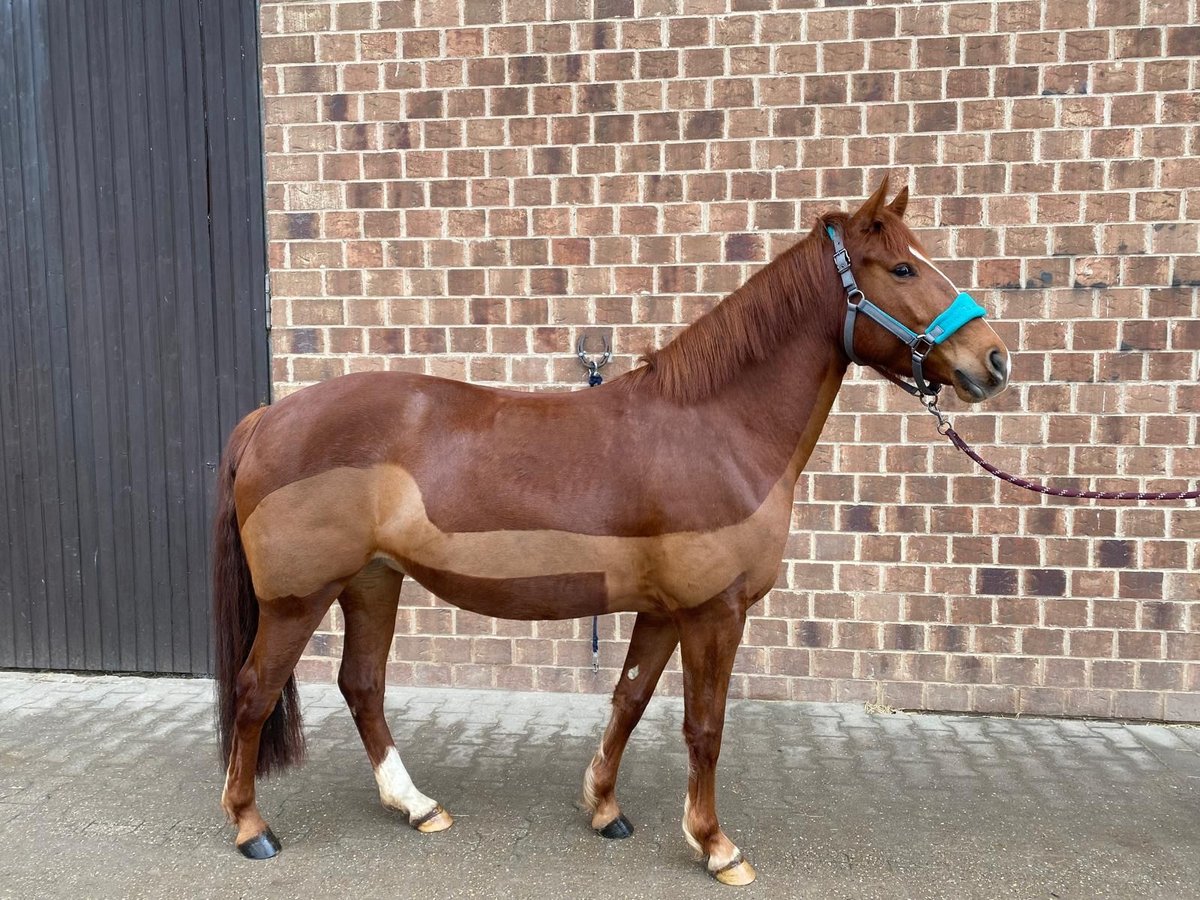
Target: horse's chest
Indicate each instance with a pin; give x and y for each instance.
(687, 569)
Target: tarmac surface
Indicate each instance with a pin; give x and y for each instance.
(109, 787)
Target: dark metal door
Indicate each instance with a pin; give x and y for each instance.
(133, 320)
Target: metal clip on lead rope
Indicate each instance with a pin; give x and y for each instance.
(931, 404)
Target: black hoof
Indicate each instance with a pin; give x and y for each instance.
(620, 827)
(264, 846)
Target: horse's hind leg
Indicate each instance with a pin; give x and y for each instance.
(284, 627)
(369, 606)
(651, 645)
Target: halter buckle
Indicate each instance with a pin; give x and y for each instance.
(923, 346)
(841, 259)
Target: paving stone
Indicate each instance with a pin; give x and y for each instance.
(1157, 738)
(119, 776)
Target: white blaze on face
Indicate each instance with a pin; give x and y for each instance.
(397, 790)
(923, 258)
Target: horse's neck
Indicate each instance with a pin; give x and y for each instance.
(783, 403)
(787, 398)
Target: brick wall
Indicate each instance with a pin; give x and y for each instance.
(461, 188)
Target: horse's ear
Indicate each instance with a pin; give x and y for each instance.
(868, 213)
(900, 203)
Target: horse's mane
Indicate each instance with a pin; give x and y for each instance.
(750, 324)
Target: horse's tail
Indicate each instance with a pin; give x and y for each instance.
(235, 621)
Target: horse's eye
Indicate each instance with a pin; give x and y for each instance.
(904, 270)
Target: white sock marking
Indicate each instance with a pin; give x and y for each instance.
(687, 835)
(714, 863)
(397, 790)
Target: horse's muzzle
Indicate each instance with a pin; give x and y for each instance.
(975, 386)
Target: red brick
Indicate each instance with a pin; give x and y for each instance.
(527, 191)
(1182, 707)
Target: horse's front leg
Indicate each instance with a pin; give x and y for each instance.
(708, 638)
(651, 645)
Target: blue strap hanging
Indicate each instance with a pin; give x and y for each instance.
(595, 379)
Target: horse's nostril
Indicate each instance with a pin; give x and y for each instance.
(998, 365)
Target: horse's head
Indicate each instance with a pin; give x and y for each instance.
(905, 316)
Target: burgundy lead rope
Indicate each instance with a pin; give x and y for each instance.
(966, 448)
(947, 429)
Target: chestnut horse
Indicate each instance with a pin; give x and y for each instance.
(667, 492)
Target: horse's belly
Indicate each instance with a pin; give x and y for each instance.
(560, 596)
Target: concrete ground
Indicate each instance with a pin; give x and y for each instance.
(109, 788)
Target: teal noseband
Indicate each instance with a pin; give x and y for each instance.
(962, 309)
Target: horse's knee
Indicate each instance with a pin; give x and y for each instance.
(702, 736)
(360, 691)
(625, 704)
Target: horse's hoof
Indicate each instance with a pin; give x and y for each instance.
(437, 819)
(620, 827)
(262, 846)
(737, 872)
